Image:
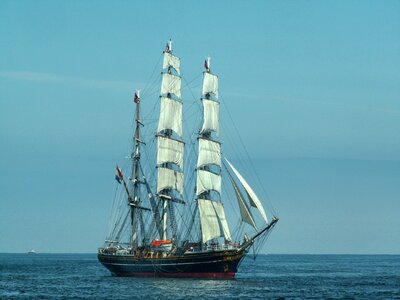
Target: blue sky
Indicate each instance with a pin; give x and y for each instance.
(313, 87)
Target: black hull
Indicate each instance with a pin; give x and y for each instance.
(222, 264)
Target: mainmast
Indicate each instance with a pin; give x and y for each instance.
(170, 146)
(208, 183)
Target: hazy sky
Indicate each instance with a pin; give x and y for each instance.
(313, 87)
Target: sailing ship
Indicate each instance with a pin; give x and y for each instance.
(166, 227)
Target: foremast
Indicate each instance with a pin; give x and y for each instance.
(208, 170)
(170, 147)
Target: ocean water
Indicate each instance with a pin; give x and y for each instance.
(80, 276)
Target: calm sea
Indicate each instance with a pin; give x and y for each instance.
(80, 276)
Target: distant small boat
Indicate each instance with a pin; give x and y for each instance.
(32, 251)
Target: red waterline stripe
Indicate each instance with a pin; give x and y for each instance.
(227, 275)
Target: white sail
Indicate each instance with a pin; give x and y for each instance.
(209, 220)
(211, 116)
(219, 209)
(169, 179)
(254, 201)
(172, 61)
(210, 84)
(207, 181)
(169, 151)
(170, 115)
(244, 209)
(209, 153)
(171, 84)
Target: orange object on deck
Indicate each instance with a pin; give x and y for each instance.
(158, 243)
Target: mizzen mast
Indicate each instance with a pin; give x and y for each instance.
(135, 203)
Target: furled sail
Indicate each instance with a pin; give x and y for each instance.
(170, 115)
(172, 61)
(211, 116)
(207, 181)
(209, 153)
(244, 209)
(171, 84)
(210, 84)
(254, 201)
(169, 179)
(170, 151)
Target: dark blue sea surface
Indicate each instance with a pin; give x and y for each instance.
(80, 276)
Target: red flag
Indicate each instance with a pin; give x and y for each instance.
(118, 175)
(136, 99)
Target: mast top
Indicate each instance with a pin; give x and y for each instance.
(207, 64)
(136, 99)
(168, 47)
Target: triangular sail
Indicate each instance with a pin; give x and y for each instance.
(252, 195)
(244, 209)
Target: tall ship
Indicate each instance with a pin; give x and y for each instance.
(182, 209)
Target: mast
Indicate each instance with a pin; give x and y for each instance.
(208, 171)
(135, 201)
(136, 213)
(170, 147)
